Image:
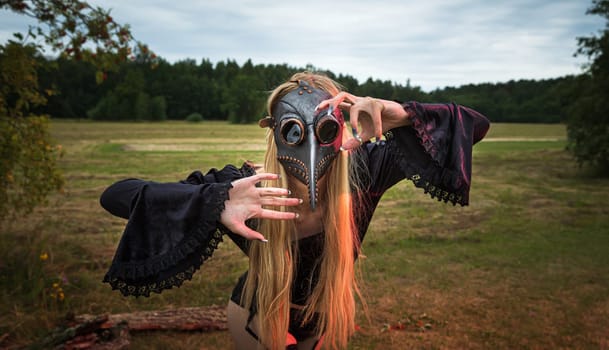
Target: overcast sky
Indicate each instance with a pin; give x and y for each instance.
(434, 43)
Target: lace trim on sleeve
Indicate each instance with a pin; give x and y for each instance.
(437, 192)
(172, 269)
(433, 179)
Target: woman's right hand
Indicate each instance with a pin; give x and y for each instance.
(246, 200)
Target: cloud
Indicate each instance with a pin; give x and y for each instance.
(434, 43)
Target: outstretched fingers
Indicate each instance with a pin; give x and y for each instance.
(273, 191)
(280, 201)
(246, 232)
(247, 201)
(342, 100)
(277, 215)
(262, 176)
(240, 228)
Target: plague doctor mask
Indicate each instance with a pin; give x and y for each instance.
(307, 140)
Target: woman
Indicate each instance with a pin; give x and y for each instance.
(303, 219)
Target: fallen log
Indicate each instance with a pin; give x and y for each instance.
(206, 318)
(88, 334)
(112, 332)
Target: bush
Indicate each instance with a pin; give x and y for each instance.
(194, 118)
(28, 156)
(588, 122)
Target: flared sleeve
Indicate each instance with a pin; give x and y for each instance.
(434, 152)
(172, 228)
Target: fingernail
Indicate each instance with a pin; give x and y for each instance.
(264, 240)
(289, 192)
(341, 148)
(330, 108)
(296, 215)
(316, 108)
(300, 201)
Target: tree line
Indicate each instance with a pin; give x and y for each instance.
(237, 93)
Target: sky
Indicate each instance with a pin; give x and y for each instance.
(431, 43)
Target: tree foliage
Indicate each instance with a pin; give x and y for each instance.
(588, 125)
(28, 169)
(229, 91)
(78, 31)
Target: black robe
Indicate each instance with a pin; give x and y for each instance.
(173, 228)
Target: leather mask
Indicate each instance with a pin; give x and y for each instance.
(307, 140)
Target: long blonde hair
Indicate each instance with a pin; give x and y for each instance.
(269, 283)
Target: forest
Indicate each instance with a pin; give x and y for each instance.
(225, 90)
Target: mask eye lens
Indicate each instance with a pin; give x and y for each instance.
(292, 132)
(327, 130)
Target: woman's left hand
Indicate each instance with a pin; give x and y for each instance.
(369, 117)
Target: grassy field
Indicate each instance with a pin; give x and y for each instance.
(525, 266)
